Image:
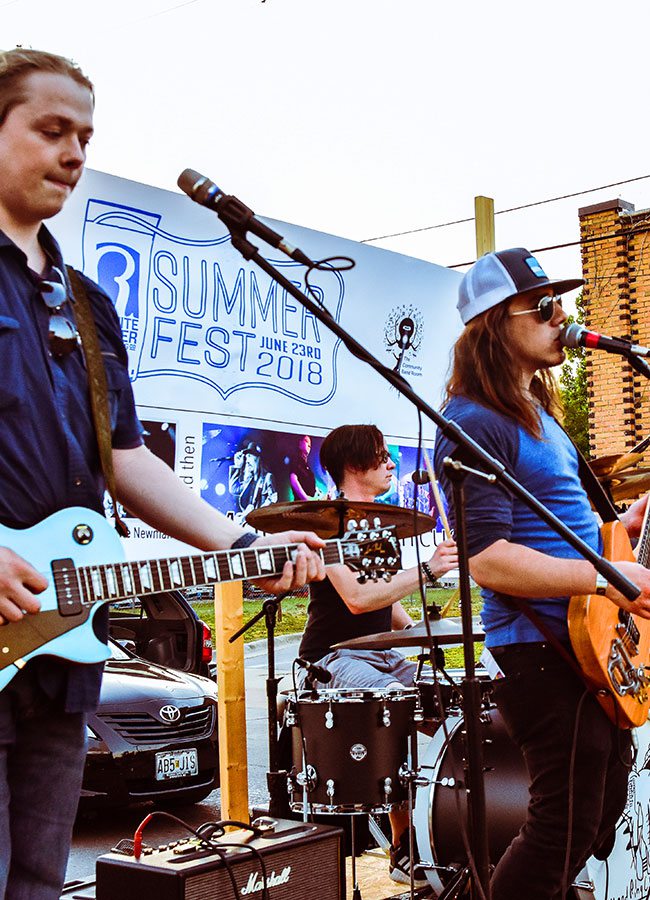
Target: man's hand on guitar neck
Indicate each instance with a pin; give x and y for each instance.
(640, 576)
(307, 565)
(19, 582)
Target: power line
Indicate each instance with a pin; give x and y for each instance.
(590, 240)
(502, 211)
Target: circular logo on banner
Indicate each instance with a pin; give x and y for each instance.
(403, 337)
(358, 752)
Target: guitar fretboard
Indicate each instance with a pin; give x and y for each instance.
(110, 582)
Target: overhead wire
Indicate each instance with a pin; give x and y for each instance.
(510, 209)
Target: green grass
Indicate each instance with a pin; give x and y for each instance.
(294, 615)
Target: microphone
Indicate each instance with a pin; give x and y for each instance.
(235, 214)
(420, 476)
(314, 672)
(575, 335)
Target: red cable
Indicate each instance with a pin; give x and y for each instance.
(137, 837)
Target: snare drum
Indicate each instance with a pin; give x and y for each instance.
(348, 747)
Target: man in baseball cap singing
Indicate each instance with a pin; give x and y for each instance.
(503, 394)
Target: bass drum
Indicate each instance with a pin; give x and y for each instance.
(440, 803)
(625, 872)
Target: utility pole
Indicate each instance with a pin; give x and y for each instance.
(484, 224)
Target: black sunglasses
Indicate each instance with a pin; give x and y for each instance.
(545, 308)
(62, 335)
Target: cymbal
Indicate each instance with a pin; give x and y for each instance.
(605, 466)
(328, 518)
(443, 631)
(628, 487)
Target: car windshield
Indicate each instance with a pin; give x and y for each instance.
(117, 652)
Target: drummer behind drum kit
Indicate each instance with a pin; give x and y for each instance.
(356, 751)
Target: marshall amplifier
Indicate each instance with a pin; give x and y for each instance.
(302, 861)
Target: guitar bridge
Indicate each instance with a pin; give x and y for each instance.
(626, 678)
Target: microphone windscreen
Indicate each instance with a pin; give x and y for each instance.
(571, 334)
(188, 180)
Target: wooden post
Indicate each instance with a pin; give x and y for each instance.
(484, 223)
(233, 761)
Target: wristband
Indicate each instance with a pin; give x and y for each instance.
(428, 574)
(244, 540)
(601, 585)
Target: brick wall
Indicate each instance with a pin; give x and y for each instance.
(616, 268)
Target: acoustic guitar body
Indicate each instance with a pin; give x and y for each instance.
(611, 645)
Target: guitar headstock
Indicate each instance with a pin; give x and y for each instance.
(372, 552)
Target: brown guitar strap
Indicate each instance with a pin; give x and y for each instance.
(98, 390)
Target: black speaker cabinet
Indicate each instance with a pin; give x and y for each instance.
(302, 861)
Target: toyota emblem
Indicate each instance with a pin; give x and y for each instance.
(170, 713)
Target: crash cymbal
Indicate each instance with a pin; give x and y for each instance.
(606, 466)
(329, 518)
(443, 631)
(628, 487)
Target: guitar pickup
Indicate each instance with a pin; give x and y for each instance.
(66, 586)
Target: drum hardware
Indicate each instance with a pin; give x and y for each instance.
(275, 778)
(307, 778)
(477, 832)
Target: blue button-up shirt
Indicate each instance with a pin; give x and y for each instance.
(48, 450)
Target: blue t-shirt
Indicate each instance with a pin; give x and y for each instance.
(548, 469)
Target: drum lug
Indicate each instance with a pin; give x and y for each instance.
(388, 788)
(386, 717)
(330, 790)
(329, 719)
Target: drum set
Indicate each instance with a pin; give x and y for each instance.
(361, 752)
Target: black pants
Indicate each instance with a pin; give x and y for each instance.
(540, 699)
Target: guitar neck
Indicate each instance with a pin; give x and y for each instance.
(643, 546)
(110, 582)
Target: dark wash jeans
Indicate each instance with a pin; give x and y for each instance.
(42, 753)
(539, 700)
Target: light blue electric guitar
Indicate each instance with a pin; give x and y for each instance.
(82, 556)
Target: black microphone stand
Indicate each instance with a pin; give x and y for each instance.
(276, 779)
(238, 226)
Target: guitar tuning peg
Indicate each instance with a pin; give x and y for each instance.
(364, 523)
(387, 576)
(376, 522)
(352, 524)
(361, 578)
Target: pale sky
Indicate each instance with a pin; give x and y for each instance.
(366, 117)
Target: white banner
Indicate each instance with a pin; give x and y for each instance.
(223, 359)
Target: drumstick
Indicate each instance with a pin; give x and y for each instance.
(445, 523)
(436, 494)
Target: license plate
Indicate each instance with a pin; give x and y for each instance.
(176, 764)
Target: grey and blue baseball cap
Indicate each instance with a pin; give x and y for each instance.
(502, 275)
